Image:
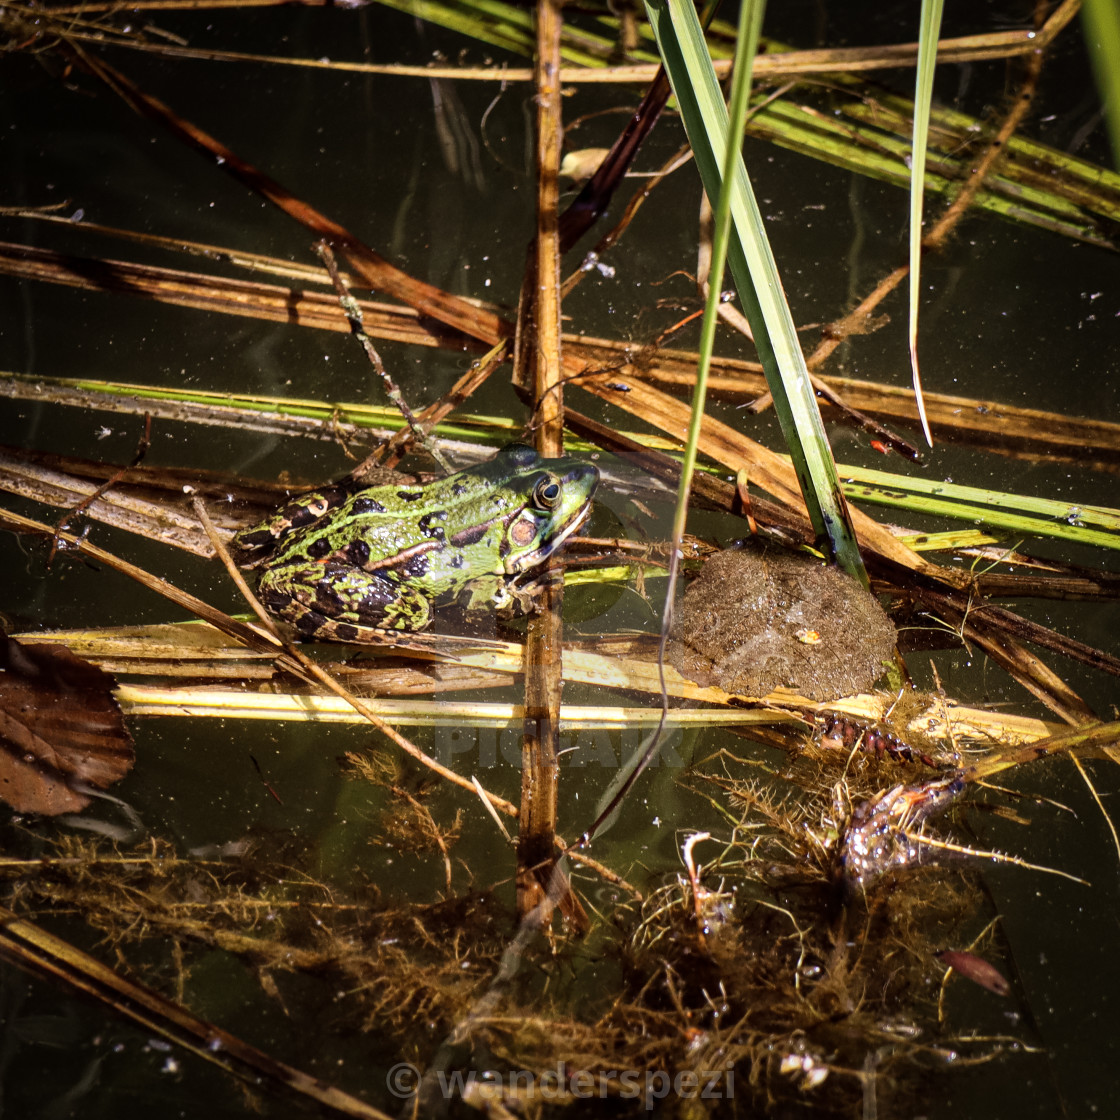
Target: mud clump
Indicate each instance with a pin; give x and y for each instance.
(757, 619)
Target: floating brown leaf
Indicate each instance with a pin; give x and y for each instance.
(60, 729)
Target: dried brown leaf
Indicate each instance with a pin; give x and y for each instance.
(60, 729)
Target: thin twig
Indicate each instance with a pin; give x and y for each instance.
(390, 453)
(64, 522)
(826, 60)
(357, 327)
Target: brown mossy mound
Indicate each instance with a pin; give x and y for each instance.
(758, 618)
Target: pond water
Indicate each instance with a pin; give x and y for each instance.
(437, 177)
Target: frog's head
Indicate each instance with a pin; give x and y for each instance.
(554, 498)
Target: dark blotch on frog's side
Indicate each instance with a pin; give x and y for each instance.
(375, 601)
(738, 623)
(367, 505)
(357, 553)
(325, 598)
(415, 567)
(469, 536)
(429, 524)
(276, 600)
(309, 622)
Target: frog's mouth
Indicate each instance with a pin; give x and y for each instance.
(581, 516)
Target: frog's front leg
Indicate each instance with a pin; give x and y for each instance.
(507, 597)
(334, 602)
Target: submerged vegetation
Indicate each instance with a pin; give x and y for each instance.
(790, 911)
(747, 972)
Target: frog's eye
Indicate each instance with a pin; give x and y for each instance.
(546, 493)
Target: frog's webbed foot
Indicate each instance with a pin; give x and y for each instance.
(409, 610)
(515, 598)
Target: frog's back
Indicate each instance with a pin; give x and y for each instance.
(372, 524)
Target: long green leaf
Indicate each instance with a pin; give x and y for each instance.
(1102, 36)
(681, 43)
(750, 23)
(1089, 525)
(923, 92)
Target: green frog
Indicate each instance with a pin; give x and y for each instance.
(348, 566)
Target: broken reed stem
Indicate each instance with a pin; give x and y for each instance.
(541, 882)
(546, 298)
(34, 950)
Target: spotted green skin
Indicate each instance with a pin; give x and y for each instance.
(348, 567)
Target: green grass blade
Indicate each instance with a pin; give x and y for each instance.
(1102, 36)
(681, 43)
(1098, 526)
(750, 23)
(923, 93)
(503, 25)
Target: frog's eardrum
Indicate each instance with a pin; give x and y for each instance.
(759, 618)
